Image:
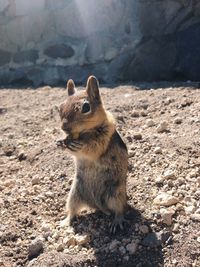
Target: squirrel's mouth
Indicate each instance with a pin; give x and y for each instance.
(66, 129)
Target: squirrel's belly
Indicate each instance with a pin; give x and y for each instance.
(91, 185)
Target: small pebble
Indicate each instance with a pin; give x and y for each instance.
(189, 209)
(162, 127)
(144, 229)
(113, 245)
(159, 180)
(195, 217)
(82, 239)
(137, 136)
(178, 120)
(166, 215)
(35, 180)
(35, 249)
(69, 241)
(132, 247)
(152, 160)
(158, 150)
(169, 174)
(165, 199)
(150, 123)
(135, 114)
(49, 194)
(60, 247)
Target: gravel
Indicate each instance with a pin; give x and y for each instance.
(161, 130)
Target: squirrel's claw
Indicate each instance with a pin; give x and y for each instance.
(60, 143)
(117, 223)
(73, 145)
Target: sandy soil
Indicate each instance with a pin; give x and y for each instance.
(161, 127)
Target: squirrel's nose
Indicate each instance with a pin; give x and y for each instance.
(65, 126)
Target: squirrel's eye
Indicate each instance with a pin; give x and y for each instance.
(85, 107)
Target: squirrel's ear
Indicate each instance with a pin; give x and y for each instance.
(71, 87)
(93, 89)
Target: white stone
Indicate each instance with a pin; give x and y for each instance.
(189, 201)
(169, 174)
(122, 250)
(195, 217)
(132, 247)
(193, 174)
(162, 127)
(198, 210)
(168, 101)
(189, 209)
(150, 123)
(166, 215)
(49, 194)
(56, 235)
(82, 239)
(165, 199)
(46, 227)
(158, 150)
(159, 180)
(176, 227)
(113, 245)
(144, 229)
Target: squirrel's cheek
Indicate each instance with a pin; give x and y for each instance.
(75, 135)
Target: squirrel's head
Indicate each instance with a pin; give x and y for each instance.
(83, 110)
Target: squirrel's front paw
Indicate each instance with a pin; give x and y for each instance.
(74, 145)
(60, 143)
(71, 144)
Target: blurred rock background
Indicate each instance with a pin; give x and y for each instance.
(48, 42)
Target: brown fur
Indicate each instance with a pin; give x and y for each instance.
(101, 155)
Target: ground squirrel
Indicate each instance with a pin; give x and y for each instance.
(101, 156)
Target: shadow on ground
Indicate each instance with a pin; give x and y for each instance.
(109, 249)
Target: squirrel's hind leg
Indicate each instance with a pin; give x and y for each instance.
(73, 206)
(117, 206)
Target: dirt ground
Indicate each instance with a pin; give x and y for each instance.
(161, 127)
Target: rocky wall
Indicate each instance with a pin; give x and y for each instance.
(48, 42)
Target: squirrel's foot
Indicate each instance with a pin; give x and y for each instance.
(66, 222)
(117, 223)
